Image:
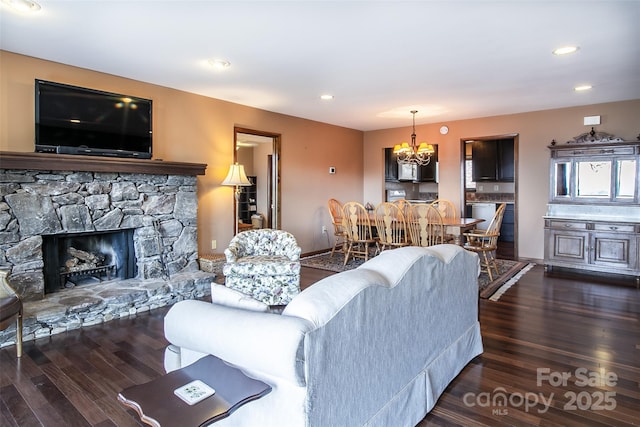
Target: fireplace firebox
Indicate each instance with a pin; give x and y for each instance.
(72, 259)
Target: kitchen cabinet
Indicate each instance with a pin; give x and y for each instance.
(248, 203)
(507, 229)
(429, 173)
(493, 160)
(593, 215)
(425, 173)
(506, 160)
(390, 165)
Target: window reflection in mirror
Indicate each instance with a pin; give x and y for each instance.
(593, 179)
(563, 178)
(626, 179)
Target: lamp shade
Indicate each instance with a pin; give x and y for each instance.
(236, 176)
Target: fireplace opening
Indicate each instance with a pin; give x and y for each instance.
(76, 259)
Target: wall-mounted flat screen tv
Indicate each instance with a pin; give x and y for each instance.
(76, 120)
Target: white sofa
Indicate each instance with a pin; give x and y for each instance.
(373, 346)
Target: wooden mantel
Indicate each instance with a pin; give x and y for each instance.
(68, 162)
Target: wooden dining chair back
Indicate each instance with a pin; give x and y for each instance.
(425, 225)
(448, 213)
(403, 204)
(446, 208)
(391, 226)
(339, 232)
(485, 243)
(359, 231)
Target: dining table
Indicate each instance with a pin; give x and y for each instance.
(458, 226)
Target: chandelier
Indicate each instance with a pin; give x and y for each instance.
(413, 153)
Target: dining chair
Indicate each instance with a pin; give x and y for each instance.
(485, 242)
(448, 212)
(339, 232)
(10, 310)
(425, 225)
(391, 226)
(359, 231)
(403, 204)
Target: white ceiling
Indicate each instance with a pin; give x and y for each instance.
(448, 59)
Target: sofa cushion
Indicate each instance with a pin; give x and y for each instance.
(222, 295)
(319, 303)
(262, 265)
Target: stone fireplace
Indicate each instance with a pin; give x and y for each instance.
(130, 223)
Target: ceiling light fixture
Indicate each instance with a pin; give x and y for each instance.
(326, 97)
(582, 88)
(23, 5)
(565, 50)
(413, 153)
(219, 64)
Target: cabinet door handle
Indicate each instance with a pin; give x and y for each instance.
(613, 227)
(568, 225)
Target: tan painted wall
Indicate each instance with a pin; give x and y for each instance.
(536, 130)
(193, 128)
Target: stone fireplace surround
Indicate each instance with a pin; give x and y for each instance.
(48, 194)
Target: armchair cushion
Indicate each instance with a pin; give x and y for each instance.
(263, 242)
(264, 265)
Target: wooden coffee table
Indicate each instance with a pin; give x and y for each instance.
(157, 405)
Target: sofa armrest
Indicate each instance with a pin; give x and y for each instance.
(265, 343)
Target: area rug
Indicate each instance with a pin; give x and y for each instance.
(510, 271)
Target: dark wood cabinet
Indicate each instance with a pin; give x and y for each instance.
(506, 160)
(484, 155)
(429, 173)
(493, 160)
(248, 203)
(390, 165)
(426, 173)
(507, 228)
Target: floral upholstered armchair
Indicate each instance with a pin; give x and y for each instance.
(265, 264)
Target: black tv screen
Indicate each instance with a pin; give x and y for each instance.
(76, 120)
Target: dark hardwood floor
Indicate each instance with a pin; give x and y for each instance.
(542, 327)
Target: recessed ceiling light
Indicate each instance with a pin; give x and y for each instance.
(219, 64)
(326, 97)
(565, 50)
(582, 88)
(23, 5)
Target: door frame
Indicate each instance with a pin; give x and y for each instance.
(463, 170)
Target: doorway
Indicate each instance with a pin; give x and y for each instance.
(494, 181)
(259, 152)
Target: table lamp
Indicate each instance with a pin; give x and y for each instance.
(237, 178)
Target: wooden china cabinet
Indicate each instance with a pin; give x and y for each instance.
(593, 216)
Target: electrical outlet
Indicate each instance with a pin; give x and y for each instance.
(324, 229)
(214, 244)
(496, 187)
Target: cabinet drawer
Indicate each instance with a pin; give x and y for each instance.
(622, 228)
(568, 225)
